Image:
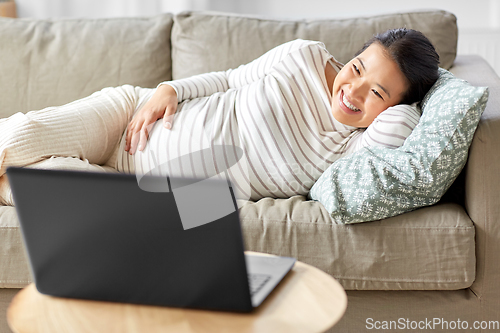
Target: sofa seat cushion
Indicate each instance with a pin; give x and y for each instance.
(205, 42)
(13, 261)
(432, 248)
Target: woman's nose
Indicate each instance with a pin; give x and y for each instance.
(358, 91)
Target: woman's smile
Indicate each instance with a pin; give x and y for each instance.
(347, 106)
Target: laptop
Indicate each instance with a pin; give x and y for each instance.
(101, 236)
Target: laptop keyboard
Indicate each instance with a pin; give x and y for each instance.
(257, 281)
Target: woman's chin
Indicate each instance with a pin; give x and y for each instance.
(341, 117)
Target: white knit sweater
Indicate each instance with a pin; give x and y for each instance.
(277, 110)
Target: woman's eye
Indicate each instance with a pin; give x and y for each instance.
(356, 69)
(377, 94)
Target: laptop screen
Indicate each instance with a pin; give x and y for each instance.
(100, 236)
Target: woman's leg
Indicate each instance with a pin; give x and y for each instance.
(87, 129)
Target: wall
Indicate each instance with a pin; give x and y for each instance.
(478, 20)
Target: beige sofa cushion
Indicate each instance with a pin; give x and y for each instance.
(53, 62)
(431, 248)
(14, 272)
(204, 42)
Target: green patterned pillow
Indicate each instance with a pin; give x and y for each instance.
(378, 182)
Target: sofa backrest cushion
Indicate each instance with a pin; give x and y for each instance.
(53, 62)
(204, 42)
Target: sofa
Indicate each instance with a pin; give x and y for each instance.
(431, 268)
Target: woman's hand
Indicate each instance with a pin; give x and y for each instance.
(162, 104)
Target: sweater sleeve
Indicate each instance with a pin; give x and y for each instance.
(202, 85)
(390, 129)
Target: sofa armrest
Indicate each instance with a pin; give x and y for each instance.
(482, 178)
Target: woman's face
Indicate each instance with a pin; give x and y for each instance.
(366, 86)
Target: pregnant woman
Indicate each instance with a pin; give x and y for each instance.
(287, 116)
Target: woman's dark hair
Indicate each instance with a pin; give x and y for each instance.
(416, 58)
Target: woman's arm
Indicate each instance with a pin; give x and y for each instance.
(210, 83)
(390, 129)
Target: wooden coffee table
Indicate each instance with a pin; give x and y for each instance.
(307, 300)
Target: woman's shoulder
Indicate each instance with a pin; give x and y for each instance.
(316, 48)
(295, 45)
(302, 43)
